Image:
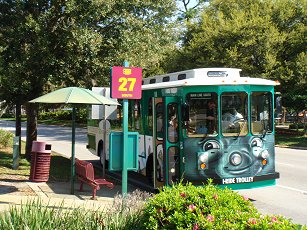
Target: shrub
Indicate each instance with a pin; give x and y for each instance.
(6, 138)
(208, 207)
(179, 207)
(8, 115)
(57, 115)
(35, 215)
(65, 115)
(123, 214)
(296, 126)
(126, 211)
(82, 115)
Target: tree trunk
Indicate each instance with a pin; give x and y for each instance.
(18, 124)
(305, 122)
(297, 121)
(31, 127)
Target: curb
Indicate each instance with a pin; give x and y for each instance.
(44, 191)
(291, 147)
(43, 194)
(8, 201)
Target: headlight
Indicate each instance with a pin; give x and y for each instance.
(235, 159)
(203, 157)
(265, 154)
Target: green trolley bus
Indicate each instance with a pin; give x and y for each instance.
(200, 124)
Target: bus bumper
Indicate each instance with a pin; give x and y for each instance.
(242, 182)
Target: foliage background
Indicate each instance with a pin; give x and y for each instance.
(263, 38)
(45, 45)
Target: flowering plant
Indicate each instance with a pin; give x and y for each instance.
(206, 207)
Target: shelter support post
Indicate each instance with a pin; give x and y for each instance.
(72, 189)
(125, 143)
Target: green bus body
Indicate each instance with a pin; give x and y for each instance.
(206, 123)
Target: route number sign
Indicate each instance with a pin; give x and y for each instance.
(126, 82)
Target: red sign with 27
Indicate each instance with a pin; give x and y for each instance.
(126, 82)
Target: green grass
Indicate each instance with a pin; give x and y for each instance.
(51, 122)
(291, 140)
(12, 119)
(123, 214)
(59, 166)
(55, 122)
(36, 215)
(61, 123)
(6, 162)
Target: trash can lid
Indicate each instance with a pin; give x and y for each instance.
(41, 147)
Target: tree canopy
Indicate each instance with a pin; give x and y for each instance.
(263, 38)
(50, 44)
(75, 42)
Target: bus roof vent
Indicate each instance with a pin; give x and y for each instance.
(182, 76)
(165, 79)
(217, 74)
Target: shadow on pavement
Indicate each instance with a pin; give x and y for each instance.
(6, 189)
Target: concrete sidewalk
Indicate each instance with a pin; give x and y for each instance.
(56, 194)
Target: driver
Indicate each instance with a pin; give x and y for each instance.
(231, 115)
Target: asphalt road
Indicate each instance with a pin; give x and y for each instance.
(59, 137)
(287, 198)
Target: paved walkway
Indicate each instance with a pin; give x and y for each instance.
(19, 191)
(55, 194)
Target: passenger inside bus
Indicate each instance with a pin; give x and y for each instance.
(173, 130)
(209, 125)
(203, 114)
(211, 117)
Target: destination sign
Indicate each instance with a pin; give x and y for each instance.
(126, 82)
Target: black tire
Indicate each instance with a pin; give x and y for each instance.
(149, 169)
(100, 153)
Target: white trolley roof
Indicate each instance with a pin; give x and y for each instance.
(203, 76)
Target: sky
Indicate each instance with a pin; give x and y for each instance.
(191, 4)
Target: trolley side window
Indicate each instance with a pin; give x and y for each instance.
(136, 115)
(159, 120)
(173, 132)
(149, 116)
(262, 117)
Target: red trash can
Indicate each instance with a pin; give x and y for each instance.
(40, 161)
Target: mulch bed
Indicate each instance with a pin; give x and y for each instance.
(288, 132)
